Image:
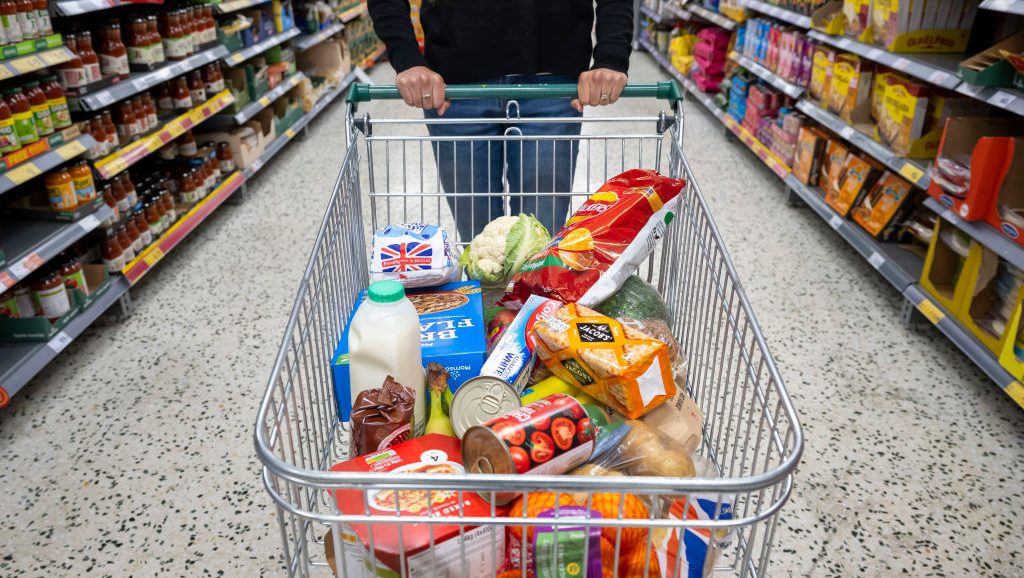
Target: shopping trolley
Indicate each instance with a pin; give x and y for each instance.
(388, 175)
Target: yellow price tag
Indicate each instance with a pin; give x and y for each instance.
(1016, 392)
(51, 57)
(70, 150)
(154, 144)
(5, 73)
(264, 101)
(153, 256)
(290, 133)
(111, 168)
(911, 173)
(929, 310)
(22, 173)
(27, 64)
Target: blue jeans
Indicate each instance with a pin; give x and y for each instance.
(473, 173)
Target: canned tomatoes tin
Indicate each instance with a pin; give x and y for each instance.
(479, 400)
(552, 435)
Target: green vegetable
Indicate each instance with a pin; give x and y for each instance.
(502, 247)
(635, 300)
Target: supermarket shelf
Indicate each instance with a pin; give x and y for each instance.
(678, 11)
(152, 254)
(300, 124)
(1004, 98)
(778, 13)
(310, 40)
(20, 362)
(713, 17)
(138, 82)
(30, 244)
(766, 75)
(236, 5)
(260, 47)
(352, 13)
(1007, 6)
(371, 60)
(33, 62)
(773, 162)
(983, 233)
(76, 7)
(658, 18)
(900, 268)
(663, 60)
(938, 69)
(135, 151)
(963, 339)
(38, 165)
(911, 170)
(253, 108)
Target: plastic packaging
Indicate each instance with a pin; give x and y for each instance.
(413, 254)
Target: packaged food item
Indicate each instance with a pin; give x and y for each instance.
(498, 325)
(549, 436)
(383, 342)
(563, 551)
(857, 14)
(880, 208)
(680, 420)
(832, 171)
(645, 451)
(501, 248)
(512, 357)
(904, 113)
(821, 73)
(481, 399)
(603, 242)
(382, 417)
(430, 549)
(414, 254)
(615, 363)
(636, 299)
(437, 383)
(850, 85)
(451, 332)
(693, 549)
(810, 149)
(859, 175)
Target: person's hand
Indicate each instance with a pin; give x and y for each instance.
(421, 87)
(598, 87)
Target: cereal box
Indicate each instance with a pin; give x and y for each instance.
(903, 114)
(451, 333)
(859, 174)
(810, 148)
(430, 549)
(880, 208)
(821, 72)
(850, 86)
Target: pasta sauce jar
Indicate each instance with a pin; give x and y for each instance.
(50, 296)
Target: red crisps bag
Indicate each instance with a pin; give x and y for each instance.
(602, 243)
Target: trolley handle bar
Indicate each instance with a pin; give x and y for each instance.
(665, 90)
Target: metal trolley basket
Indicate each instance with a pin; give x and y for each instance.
(751, 432)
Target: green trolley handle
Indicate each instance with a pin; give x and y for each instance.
(666, 90)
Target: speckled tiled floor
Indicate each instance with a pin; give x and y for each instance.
(132, 454)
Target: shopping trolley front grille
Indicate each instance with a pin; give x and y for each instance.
(751, 435)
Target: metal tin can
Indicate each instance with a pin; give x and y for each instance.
(550, 436)
(479, 400)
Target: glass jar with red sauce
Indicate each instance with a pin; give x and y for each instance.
(90, 61)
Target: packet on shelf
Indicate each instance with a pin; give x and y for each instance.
(613, 362)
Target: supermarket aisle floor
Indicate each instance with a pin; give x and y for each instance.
(132, 454)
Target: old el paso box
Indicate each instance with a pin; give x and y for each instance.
(425, 557)
(451, 333)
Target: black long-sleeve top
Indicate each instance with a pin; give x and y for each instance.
(474, 40)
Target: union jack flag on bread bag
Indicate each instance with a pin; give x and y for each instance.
(414, 254)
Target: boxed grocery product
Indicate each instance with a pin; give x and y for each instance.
(429, 549)
(832, 169)
(615, 363)
(850, 85)
(881, 209)
(922, 26)
(878, 93)
(859, 175)
(810, 150)
(822, 63)
(451, 334)
(858, 17)
(903, 113)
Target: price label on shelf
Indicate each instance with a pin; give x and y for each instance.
(23, 172)
(911, 172)
(104, 98)
(874, 53)
(930, 311)
(876, 260)
(71, 150)
(264, 101)
(6, 280)
(162, 74)
(848, 132)
(835, 221)
(901, 64)
(27, 64)
(140, 84)
(5, 73)
(54, 57)
(153, 256)
(938, 77)
(1002, 99)
(949, 216)
(21, 269)
(88, 223)
(58, 342)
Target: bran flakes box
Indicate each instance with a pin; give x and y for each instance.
(430, 454)
(451, 333)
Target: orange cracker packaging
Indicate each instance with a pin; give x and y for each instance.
(603, 242)
(617, 364)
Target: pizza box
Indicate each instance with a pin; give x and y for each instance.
(430, 549)
(452, 333)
